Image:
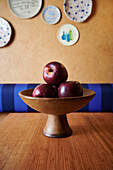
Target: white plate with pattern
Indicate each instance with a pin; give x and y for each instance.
(5, 32)
(78, 10)
(51, 14)
(25, 8)
(68, 34)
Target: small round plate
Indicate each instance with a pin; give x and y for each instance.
(51, 14)
(78, 10)
(68, 34)
(5, 32)
(25, 8)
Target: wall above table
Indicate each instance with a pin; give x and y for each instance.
(34, 43)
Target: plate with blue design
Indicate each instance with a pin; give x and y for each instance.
(51, 14)
(68, 34)
(78, 10)
(5, 32)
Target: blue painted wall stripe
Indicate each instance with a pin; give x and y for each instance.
(11, 102)
(106, 93)
(112, 97)
(1, 109)
(8, 97)
(19, 105)
(95, 103)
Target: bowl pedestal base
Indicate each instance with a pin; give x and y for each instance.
(57, 127)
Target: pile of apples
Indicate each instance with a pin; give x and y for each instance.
(55, 75)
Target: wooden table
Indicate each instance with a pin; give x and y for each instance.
(24, 147)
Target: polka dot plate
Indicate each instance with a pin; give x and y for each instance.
(51, 14)
(25, 8)
(68, 34)
(5, 32)
(78, 10)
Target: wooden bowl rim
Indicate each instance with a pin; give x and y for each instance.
(93, 93)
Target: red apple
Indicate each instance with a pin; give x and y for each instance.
(56, 90)
(44, 90)
(55, 73)
(70, 89)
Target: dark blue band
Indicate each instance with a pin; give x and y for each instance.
(8, 97)
(11, 102)
(106, 94)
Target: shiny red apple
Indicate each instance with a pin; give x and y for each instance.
(44, 90)
(55, 73)
(70, 89)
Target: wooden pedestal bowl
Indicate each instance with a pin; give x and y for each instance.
(57, 125)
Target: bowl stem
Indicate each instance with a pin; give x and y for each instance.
(57, 126)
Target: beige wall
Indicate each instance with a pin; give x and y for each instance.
(34, 44)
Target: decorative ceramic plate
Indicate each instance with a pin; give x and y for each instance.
(51, 15)
(25, 8)
(5, 32)
(78, 10)
(68, 34)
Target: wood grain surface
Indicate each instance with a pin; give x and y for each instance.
(3, 115)
(24, 147)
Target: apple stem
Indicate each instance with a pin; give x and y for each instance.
(50, 70)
